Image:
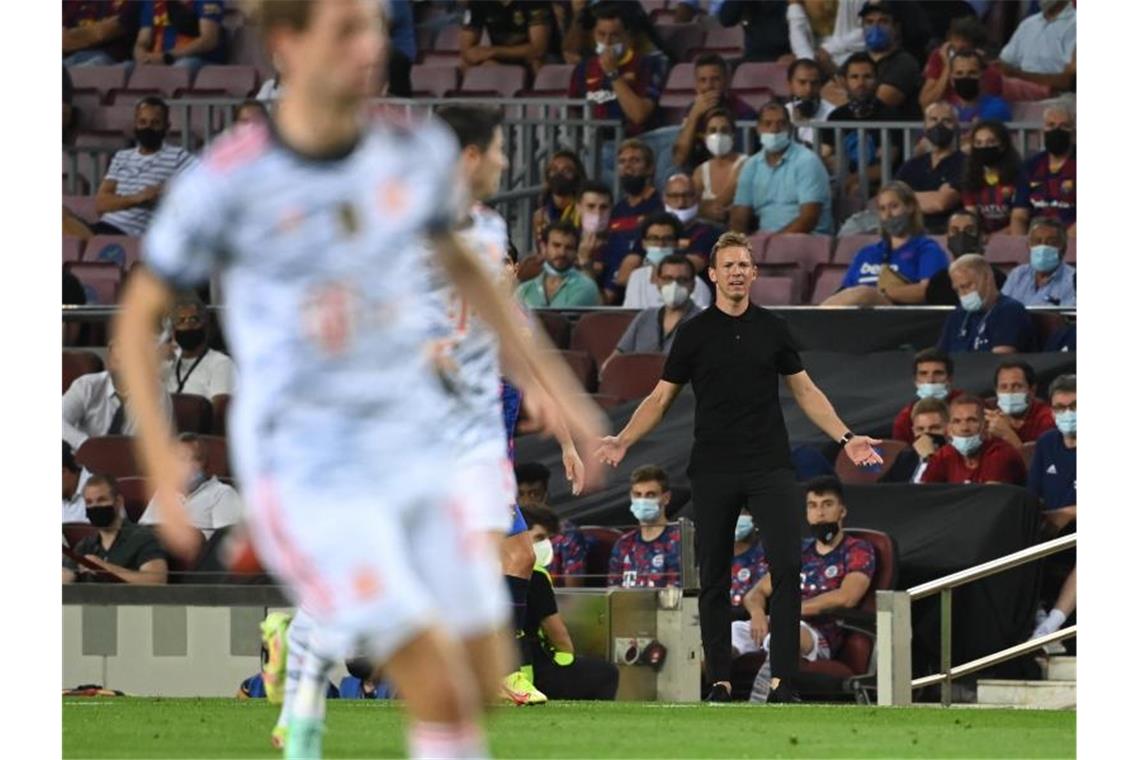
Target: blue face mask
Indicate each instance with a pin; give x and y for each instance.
(743, 527)
(655, 253)
(1013, 403)
(645, 510)
(878, 38)
(966, 445)
(932, 390)
(774, 142)
(1066, 422)
(1044, 258)
(971, 301)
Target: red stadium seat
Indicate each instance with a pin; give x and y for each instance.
(1007, 249)
(553, 78)
(727, 41)
(681, 40)
(221, 405)
(848, 245)
(804, 249)
(756, 98)
(435, 79)
(494, 79)
(82, 206)
(826, 282)
(446, 47)
(631, 376)
(73, 533)
(118, 118)
(116, 249)
(101, 280)
(164, 79)
(682, 78)
(76, 363)
(675, 106)
(759, 242)
(110, 455)
(754, 75)
(774, 291)
(72, 248)
(192, 413)
(583, 368)
(799, 276)
(599, 546)
(1029, 110)
(102, 79)
(556, 326)
(849, 472)
(137, 493)
(598, 332)
(238, 81)
(101, 140)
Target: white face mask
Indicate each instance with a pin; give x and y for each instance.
(673, 294)
(684, 215)
(595, 222)
(543, 552)
(718, 144)
(618, 48)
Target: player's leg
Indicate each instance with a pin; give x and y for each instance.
(517, 557)
(297, 647)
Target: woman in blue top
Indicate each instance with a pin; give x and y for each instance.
(911, 256)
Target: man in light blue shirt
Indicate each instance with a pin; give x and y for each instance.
(1043, 48)
(1046, 280)
(785, 185)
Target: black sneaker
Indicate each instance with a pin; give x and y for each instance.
(783, 694)
(719, 694)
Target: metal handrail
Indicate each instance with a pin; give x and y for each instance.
(986, 569)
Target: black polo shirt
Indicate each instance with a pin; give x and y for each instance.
(924, 178)
(133, 547)
(734, 364)
(507, 23)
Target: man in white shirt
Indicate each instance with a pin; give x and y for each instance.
(1043, 49)
(137, 176)
(660, 235)
(196, 368)
(805, 83)
(74, 478)
(210, 503)
(95, 405)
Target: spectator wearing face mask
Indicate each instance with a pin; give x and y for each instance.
(984, 320)
(994, 183)
(897, 269)
(649, 556)
(1045, 280)
(805, 82)
(196, 368)
(1052, 173)
(785, 186)
(897, 73)
(710, 83)
(714, 181)
(660, 240)
(137, 177)
(560, 284)
(929, 418)
(119, 547)
(565, 174)
(568, 561)
(863, 104)
(964, 235)
(697, 236)
(965, 33)
(210, 503)
(974, 456)
(639, 199)
(748, 562)
(935, 176)
(825, 32)
(1053, 470)
(933, 378)
(972, 104)
(1020, 417)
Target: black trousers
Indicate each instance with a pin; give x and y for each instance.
(777, 506)
(585, 678)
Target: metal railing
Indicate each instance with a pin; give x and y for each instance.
(895, 684)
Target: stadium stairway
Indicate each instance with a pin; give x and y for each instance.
(1057, 692)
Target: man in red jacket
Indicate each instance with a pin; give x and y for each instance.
(933, 376)
(1021, 417)
(973, 456)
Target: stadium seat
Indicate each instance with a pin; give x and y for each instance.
(116, 249)
(221, 405)
(674, 106)
(1029, 110)
(82, 206)
(118, 118)
(493, 79)
(776, 290)
(1007, 249)
(85, 103)
(583, 368)
(73, 533)
(1071, 251)
(849, 472)
(804, 249)
(631, 376)
(102, 79)
(1045, 324)
(826, 281)
(756, 98)
(1027, 450)
(236, 81)
(136, 493)
(76, 363)
(101, 280)
(446, 47)
(799, 276)
(556, 326)
(599, 545)
(192, 413)
(72, 248)
(682, 78)
(435, 79)
(727, 41)
(597, 333)
(681, 40)
(164, 79)
(110, 455)
(848, 245)
(553, 78)
(1014, 89)
(759, 243)
(754, 75)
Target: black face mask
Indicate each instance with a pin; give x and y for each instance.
(561, 184)
(940, 136)
(633, 185)
(990, 155)
(937, 439)
(188, 340)
(1058, 141)
(967, 87)
(862, 106)
(961, 243)
(825, 532)
(150, 139)
(101, 517)
(807, 108)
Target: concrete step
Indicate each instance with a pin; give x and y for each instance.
(1061, 668)
(1044, 695)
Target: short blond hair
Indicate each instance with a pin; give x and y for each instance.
(730, 240)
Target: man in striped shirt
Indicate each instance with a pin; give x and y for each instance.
(137, 176)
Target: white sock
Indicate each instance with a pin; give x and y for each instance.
(298, 643)
(444, 741)
(1052, 622)
(309, 701)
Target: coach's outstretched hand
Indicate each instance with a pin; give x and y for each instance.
(862, 452)
(612, 450)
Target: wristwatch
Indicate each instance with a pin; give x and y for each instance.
(846, 439)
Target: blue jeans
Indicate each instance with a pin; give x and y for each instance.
(89, 58)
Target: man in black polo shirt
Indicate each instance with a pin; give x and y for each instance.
(732, 353)
(520, 33)
(120, 548)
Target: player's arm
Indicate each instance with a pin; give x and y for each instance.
(819, 410)
(847, 596)
(557, 634)
(648, 415)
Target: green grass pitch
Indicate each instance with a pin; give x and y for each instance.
(207, 728)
